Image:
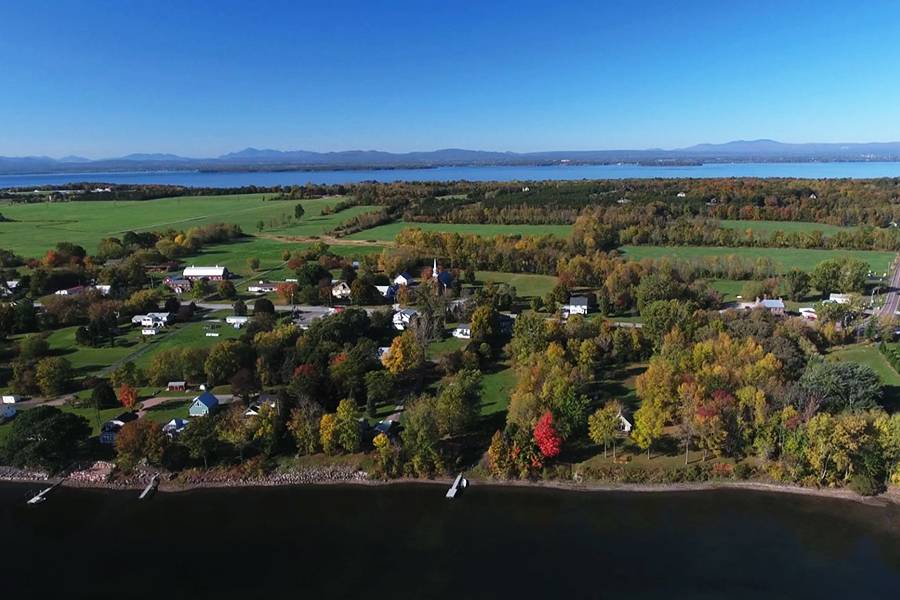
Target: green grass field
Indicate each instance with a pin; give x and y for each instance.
(785, 258)
(868, 354)
(496, 388)
(191, 335)
(526, 284)
(36, 227)
(387, 233)
(786, 226)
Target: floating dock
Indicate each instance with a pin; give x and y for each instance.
(459, 484)
(42, 495)
(151, 488)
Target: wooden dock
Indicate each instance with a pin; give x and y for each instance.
(151, 488)
(459, 484)
(42, 495)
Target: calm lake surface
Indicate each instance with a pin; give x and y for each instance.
(858, 170)
(409, 542)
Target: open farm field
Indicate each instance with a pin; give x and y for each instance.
(786, 226)
(785, 258)
(386, 233)
(34, 228)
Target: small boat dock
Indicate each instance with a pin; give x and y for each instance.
(459, 484)
(42, 495)
(151, 488)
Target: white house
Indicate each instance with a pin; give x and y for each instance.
(103, 288)
(72, 291)
(578, 305)
(262, 287)
(624, 424)
(174, 427)
(840, 298)
(340, 289)
(404, 278)
(773, 305)
(149, 331)
(809, 314)
(681, 195)
(214, 273)
(403, 317)
(463, 332)
(12, 399)
(176, 386)
(237, 321)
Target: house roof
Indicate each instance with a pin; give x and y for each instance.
(772, 303)
(207, 399)
(579, 301)
(445, 277)
(215, 271)
(404, 275)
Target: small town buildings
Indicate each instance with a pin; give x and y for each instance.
(72, 291)
(404, 278)
(203, 404)
(403, 317)
(463, 332)
(773, 305)
(340, 289)
(579, 305)
(215, 273)
(624, 424)
(176, 386)
(152, 320)
(12, 399)
(256, 406)
(179, 285)
(111, 428)
(103, 288)
(149, 331)
(840, 298)
(809, 314)
(262, 287)
(174, 427)
(237, 321)
(388, 291)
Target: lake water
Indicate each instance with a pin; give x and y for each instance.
(408, 541)
(858, 170)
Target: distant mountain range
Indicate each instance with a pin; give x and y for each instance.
(253, 159)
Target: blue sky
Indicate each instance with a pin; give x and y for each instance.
(102, 79)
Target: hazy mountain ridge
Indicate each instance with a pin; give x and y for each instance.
(762, 150)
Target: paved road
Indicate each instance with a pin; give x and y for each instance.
(892, 299)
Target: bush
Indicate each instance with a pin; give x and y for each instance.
(743, 471)
(866, 485)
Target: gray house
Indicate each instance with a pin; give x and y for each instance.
(203, 404)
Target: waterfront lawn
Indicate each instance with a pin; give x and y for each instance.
(783, 258)
(87, 360)
(387, 233)
(497, 385)
(447, 345)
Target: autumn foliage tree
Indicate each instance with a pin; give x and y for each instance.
(548, 440)
(127, 396)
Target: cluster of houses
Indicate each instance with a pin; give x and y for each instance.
(152, 322)
(78, 290)
(184, 282)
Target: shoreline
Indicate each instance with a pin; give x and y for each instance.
(888, 498)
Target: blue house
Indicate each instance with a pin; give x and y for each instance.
(203, 404)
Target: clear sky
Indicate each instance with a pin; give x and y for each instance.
(102, 79)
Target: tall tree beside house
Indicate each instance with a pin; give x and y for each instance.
(304, 426)
(44, 437)
(139, 440)
(226, 290)
(406, 355)
(200, 437)
(604, 424)
(420, 438)
(347, 426)
(53, 375)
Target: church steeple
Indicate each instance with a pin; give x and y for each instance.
(434, 271)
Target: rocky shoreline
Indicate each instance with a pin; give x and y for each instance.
(99, 476)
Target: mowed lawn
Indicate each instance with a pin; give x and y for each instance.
(191, 335)
(33, 228)
(786, 226)
(387, 233)
(526, 284)
(785, 258)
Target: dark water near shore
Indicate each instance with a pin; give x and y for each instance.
(857, 170)
(409, 542)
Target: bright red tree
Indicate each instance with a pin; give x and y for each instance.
(545, 435)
